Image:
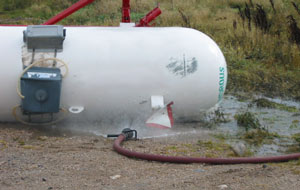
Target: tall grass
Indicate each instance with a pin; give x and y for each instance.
(260, 38)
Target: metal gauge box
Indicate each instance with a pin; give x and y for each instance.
(41, 88)
(44, 36)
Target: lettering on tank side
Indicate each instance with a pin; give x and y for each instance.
(221, 83)
(182, 66)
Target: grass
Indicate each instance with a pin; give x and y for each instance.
(258, 137)
(207, 149)
(254, 133)
(247, 121)
(219, 117)
(264, 103)
(293, 166)
(294, 147)
(262, 52)
(296, 137)
(3, 145)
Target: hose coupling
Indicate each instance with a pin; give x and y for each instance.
(127, 132)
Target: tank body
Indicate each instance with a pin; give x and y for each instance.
(113, 72)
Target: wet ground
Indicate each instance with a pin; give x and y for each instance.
(60, 157)
(31, 161)
(219, 122)
(282, 122)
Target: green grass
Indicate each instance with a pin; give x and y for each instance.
(258, 137)
(247, 121)
(254, 133)
(200, 149)
(296, 137)
(264, 103)
(295, 147)
(259, 61)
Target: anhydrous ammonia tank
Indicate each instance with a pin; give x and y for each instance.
(114, 71)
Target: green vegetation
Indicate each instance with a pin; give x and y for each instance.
(247, 120)
(258, 137)
(219, 117)
(222, 136)
(260, 39)
(272, 120)
(296, 137)
(293, 166)
(264, 103)
(213, 145)
(254, 133)
(21, 142)
(294, 147)
(210, 149)
(295, 124)
(3, 145)
(215, 149)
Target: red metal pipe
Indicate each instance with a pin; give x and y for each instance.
(149, 17)
(80, 4)
(186, 160)
(126, 11)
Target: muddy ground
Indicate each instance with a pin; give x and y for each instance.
(33, 159)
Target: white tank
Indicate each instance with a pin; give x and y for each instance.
(114, 71)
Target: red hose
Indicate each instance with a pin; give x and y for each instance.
(180, 159)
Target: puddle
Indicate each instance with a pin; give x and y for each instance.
(284, 123)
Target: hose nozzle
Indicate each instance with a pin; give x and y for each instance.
(127, 132)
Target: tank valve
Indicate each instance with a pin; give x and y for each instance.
(127, 132)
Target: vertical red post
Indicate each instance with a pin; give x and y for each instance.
(126, 11)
